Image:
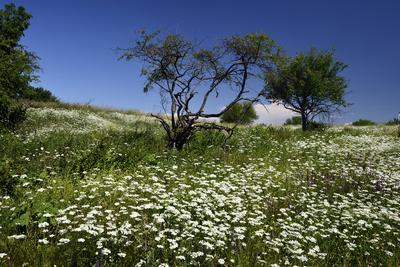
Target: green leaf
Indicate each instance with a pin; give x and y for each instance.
(23, 219)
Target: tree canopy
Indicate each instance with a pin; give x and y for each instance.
(17, 65)
(308, 84)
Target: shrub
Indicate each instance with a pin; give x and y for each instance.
(363, 122)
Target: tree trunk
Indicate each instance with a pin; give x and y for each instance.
(180, 137)
(304, 122)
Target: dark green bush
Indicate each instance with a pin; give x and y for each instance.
(38, 94)
(12, 113)
(363, 122)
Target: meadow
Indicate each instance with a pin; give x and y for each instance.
(94, 187)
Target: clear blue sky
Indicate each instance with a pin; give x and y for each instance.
(76, 41)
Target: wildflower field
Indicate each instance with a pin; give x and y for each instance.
(91, 187)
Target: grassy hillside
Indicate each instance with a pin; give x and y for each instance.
(85, 186)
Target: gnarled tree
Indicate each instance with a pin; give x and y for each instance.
(188, 76)
(308, 84)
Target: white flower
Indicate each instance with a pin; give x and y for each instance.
(17, 237)
(2, 255)
(302, 258)
(197, 254)
(221, 261)
(134, 214)
(121, 254)
(43, 241)
(63, 241)
(81, 240)
(389, 253)
(43, 225)
(106, 251)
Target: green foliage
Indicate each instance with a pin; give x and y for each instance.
(308, 84)
(12, 113)
(295, 120)
(8, 147)
(363, 122)
(241, 113)
(7, 181)
(17, 65)
(13, 22)
(38, 94)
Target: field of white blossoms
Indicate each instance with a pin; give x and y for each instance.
(86, 188)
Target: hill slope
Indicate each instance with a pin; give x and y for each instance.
(81, 187)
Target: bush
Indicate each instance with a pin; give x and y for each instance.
(38, 94)
(12, 113)
(363, 122)
(296, 120)
(241, 113)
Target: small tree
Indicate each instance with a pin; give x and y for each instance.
(240, 113)
(308, 84)
(187, 76)
(295, 120)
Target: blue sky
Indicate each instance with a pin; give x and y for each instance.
(76, 41)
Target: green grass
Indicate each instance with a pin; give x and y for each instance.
(81, 186)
